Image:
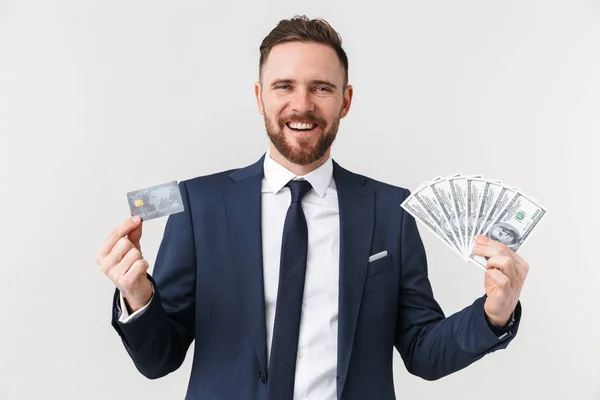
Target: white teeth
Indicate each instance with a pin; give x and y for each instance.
(298, 125)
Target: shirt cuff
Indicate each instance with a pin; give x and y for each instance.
(506, 330)
(125, 317)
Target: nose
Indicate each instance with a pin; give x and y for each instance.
(302, 101)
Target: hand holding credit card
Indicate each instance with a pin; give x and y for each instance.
(156, 201)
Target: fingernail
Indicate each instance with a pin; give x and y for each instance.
(136, 219)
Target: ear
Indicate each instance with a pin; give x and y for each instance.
(259, 103)
(347, 101)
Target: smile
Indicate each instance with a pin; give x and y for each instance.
(301, 126)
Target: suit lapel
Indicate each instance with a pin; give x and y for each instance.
(243, 204)
(356, 207)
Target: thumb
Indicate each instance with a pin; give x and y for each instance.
(136, 234)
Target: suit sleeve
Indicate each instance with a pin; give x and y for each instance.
(158, 339)
(432, 345)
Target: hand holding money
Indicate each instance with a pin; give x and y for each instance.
(485, 222)
(504, 278)
(120, 258)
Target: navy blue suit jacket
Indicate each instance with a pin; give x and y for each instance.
(209, 289)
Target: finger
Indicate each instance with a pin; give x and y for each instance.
(119, 232)
(119, 250)
(484, 251)
(487, 247)
(487, 241)
(517, 257)
(490, 248)
(132, 277)
(125, 264)
(135, 236)
(137, 269)
(522, 267)
(519, 260)
(499, 278)
(483, 240)
(505, 265)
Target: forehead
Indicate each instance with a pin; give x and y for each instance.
(303, 61)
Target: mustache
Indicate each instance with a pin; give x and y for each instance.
(308, 117)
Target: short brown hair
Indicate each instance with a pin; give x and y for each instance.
(301, 28)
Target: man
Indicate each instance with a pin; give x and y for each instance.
(295, 277)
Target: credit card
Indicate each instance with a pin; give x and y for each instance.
(156, 201)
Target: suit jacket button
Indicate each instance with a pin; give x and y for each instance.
(263, 379)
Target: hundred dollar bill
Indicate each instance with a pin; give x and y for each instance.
(428, 200)
(475, 188)
(416, 209)
(458, 185)
(443, 194)
(514, 224)
(506, 195)
(490, 194)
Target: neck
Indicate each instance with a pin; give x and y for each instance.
(297, 169)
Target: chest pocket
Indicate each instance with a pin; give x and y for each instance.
(380, 265)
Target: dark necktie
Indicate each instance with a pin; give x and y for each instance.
(292, 270)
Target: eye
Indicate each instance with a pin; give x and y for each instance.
(282, 87)
(324, 89)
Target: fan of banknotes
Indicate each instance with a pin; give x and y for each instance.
(458, 207)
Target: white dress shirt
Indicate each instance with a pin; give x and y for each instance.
(316, 364)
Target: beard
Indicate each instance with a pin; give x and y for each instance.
(306, 150)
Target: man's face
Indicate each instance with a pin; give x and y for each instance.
(302, 99)
(502, 235)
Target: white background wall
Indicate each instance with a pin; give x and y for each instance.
(98, 98)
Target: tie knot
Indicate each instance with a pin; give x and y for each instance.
(298, 189)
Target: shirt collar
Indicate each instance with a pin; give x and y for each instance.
(278, 176)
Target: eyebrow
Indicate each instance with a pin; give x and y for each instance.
(313, 82)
